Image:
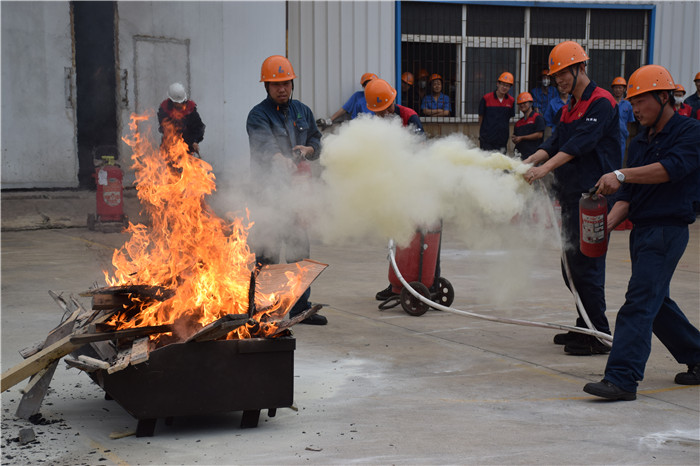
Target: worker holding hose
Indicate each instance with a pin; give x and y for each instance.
(656, 193)
(585, 145)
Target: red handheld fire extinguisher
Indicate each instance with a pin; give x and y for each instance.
(593, 224)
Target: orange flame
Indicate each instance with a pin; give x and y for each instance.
(186, 248)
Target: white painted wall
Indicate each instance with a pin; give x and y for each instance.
(332, 43)
(38, 130)
(677, 41)
(228, 42)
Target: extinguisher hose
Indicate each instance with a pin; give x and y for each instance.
(601, 336)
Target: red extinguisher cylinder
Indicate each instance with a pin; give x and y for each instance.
(593, 224)
(110, 199)
(417, 261)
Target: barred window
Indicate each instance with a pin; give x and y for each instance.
(470, 45)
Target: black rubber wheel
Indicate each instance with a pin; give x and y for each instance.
(445, 293)
(413, 305)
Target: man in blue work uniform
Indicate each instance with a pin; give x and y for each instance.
(528, 133)
(495, 111)
(619, 86)
(283, 137)
(553, 113)
(694, 99)
(656, 193)
(356, 104)
(585, 145)
(543, 93)
(436, 103)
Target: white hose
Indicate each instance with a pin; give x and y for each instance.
(602, 337)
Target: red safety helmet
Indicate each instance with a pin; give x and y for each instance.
(650, 78)
(566, 54)
(619, 81)
(367, 77)
(525, 97)
(379, 95)
(506, 78)
(276, 69)
(407, 77)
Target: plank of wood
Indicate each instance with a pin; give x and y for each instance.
(37, 362)
(110, 301)
(159, 293)
(32, 349)
(83, 366)
(140, 350)
(122, 362)
(35, 391)
(126, 333)
(233, 321)
(94, 362)
(283, 325)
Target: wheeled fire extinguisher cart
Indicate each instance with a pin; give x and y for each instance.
(417, 263)
(109, 214)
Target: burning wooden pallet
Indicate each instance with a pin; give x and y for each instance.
(118, 359)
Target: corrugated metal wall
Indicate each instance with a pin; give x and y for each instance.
(331, 44)
(677, 40)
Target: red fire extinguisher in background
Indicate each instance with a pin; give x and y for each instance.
(110, 194)
(593, 224)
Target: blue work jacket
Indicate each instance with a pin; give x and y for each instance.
(677, 148)
(589, 131)
(274, 128)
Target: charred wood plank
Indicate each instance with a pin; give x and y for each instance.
(159, 293)
(122, 362)
(111, 301)
(283, 325)
(104, 349)
(219, 328)
(140, 350)
(126, 333)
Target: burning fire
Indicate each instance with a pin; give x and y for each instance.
(187, 249)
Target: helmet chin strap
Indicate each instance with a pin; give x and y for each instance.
(660, 114)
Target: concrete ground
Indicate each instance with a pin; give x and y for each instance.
(378, 387)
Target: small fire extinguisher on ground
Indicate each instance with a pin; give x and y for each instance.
(110, 195)
(593, 224)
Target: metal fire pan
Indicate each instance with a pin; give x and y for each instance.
(194, 378)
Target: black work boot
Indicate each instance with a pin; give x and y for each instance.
(563, 338)
(692, 377)
(385, 294)
(585, 345)
(608, 390)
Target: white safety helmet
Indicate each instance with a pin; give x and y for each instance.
(176, 93)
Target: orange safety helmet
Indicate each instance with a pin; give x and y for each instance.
(680, 88)
(379, 95)
(276, 69)
(697, 77)
(423, 73)
(367, 77)
(506, 78)
(435, 76)
(619, 81)
(525, 97)
(650, 78)
(564, 55)
(407, 77)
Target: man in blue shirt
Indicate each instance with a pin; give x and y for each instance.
(436, 103)
(283, 137)
(356, 104)
(552, 115)
(619, 86)
(543, 93)
(585, 145)
(694, 99)
(656, 193)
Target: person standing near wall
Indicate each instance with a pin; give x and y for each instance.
(283, 137)
(679, 106)
(495, 111)
(553, 113)
(356, 104)
(407, 91)
(528, 132)
(694, 99)
(656, 191)
(619, 86)
(585, 145)
(543, 93)
(180, 115)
